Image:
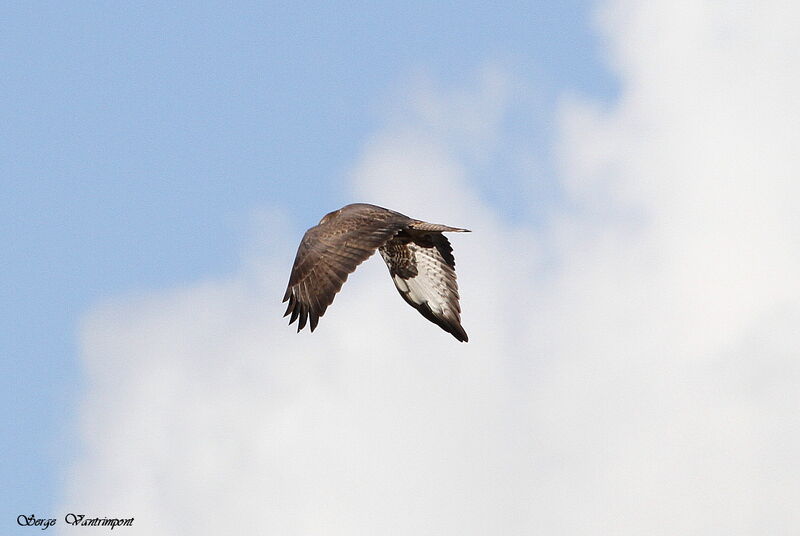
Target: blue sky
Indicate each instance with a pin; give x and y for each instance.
(627, 160)
(138, 139)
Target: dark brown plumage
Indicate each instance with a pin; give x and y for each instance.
(419, 257)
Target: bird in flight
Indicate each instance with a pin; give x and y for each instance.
(419, 257)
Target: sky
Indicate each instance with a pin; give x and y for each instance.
(629, 174)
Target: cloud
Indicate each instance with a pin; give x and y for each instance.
(632, 360)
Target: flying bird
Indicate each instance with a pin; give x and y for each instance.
(419, 257)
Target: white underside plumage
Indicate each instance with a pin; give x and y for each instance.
(430, 285)
(419, 290)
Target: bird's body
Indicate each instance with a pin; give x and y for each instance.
(419, 257)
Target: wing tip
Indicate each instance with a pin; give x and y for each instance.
(425, 226)
(454, 328)
(461, 336)
(301, 313)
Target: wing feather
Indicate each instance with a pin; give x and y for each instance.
(332, 250)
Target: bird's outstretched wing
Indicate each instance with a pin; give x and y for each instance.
(332, 250)
(422, 267)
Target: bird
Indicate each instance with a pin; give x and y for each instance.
(419, 257)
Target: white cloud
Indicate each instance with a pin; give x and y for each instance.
(632, 364)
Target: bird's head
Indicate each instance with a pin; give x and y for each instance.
(329, 216)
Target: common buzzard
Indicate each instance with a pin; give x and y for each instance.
(419, 257)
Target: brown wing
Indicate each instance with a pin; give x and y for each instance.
(330, 252)
(423, 270)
